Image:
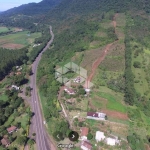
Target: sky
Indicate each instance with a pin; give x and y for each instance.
(7, 4)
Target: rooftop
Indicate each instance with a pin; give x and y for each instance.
(87, 144)
(12, 128)
(92, 114)
(84, 131)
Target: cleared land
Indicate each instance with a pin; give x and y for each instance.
(3, 29)
(18, 40)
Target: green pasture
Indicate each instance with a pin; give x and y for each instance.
(3, 97)
(23, 38)
(3, 29)
(113, 102)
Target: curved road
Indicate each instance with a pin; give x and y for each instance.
(41, 139)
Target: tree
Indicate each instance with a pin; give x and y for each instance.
(31, 142)
(137, 64)
(89, 136)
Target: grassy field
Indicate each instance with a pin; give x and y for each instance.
(18, 39)
(3, 97)
(112, 104)
(3, 29)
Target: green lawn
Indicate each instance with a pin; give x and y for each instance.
(112, 104)
(3, 29)
(19, 38)
(3, 97)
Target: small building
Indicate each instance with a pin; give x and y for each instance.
(5, 142)
(99, 136)
(111, 141)
(12, 129)
(15, 87)
(85, 145)
(84, 133)
(96, 115)
(69, 91)
(19, 68)
(77, 79)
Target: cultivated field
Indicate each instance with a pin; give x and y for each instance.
(18, 40)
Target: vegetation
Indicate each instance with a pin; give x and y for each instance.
(18, 57)
(76, 24)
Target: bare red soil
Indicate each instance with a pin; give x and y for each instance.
(12, 46)
(115, 114)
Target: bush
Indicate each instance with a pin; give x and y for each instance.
(89, 136)
(137, 64)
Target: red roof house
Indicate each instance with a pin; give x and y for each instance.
(11, 129)
(84, 133)
(5, 142)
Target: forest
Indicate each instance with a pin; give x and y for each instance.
(10, 58)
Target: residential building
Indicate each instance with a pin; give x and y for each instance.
(77, 79)
(69, 91)
(99, 136)
(84, 133)
(96, 115)
(85, 145)
(15, 87)
(5, 142)
(12, 129)
(111, 141)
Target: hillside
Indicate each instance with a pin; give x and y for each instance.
(111, 36)
(32, 8)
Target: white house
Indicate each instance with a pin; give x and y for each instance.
(99, 136)
(111, 141)
(15, 87)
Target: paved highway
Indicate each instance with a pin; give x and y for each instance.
(41, 137)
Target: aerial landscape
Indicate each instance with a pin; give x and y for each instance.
(75, 74)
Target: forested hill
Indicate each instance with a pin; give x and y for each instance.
(68, 8)
(32, 8)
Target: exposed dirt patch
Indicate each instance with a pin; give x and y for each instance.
(115, 114)
(12, 46)
(147, 147)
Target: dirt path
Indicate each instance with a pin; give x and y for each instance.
(63, 109)
(99, 60)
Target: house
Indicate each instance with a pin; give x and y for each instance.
(5, 142)
(84, 133)
(96, 115)
(18, 68)
(85, 145)
(111, 141)
(77, 79)
(12, 129)
(69, 91)
(15, 87)
(99, 136)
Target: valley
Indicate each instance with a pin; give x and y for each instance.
(92, 79)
